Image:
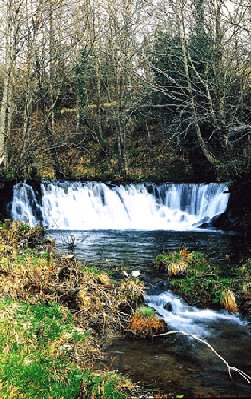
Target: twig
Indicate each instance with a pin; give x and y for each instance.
(229, 368)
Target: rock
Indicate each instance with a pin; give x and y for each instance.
(237, 216)
(135, 273)
(68, 257)
(168, 306)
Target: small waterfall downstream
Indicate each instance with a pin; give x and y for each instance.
(180, 316)
(144, 206)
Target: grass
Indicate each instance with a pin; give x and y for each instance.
(176, 263)
(146, 311)
(204, 284)
(37, 342)
(42, 354)
(54, 315)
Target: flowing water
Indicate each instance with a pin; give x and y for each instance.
(92, 205)
(124, 227)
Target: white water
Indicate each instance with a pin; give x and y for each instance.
(187, 318)
(92, 205)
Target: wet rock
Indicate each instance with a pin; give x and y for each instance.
(238, 213)
(168, 306)
(135, 273)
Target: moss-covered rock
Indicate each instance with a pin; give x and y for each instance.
(145, 323)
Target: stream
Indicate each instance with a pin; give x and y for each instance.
(122, 228)
(174, 365)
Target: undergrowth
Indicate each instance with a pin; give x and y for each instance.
(204, 284)
(54, 314)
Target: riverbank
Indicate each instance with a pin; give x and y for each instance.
(56, 314)
(57, 317)
(207, 285)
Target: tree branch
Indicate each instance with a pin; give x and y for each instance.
(229, 368)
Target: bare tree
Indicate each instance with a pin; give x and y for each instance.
(206, 64)
(12, 21)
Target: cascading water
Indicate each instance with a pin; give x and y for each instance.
(92, 205)
(180, 316)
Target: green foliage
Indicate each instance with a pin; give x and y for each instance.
(167, 257)
(146, 311)
(9, 174)
(29, 366)
(89, 269)
(103, 386)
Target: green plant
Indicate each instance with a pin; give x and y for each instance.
(104, 386)
(146, 311)
(31, 367)
(166, 258)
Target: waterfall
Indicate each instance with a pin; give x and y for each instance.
(143, 206)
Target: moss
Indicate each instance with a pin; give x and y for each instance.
(204, 284)
(146, 311)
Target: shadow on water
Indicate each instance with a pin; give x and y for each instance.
(175, 365)
(178, 365)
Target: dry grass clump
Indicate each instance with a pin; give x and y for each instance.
(179, 263)
(145, 322)
(95, 299)
(176, 269)
(106, 303)
(130, 294)
(19, 235)
(37, 277)
(228, 301)
(175, 263)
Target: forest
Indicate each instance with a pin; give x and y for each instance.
(125, 90)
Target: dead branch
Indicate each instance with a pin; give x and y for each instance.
(229, 368)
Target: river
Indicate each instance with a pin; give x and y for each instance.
(122, 228)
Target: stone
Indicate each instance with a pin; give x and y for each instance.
(168, 307)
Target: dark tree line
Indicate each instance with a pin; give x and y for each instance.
(119, 88)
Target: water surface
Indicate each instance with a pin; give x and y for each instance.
(133, 247)
(173, 365)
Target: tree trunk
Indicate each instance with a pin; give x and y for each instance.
(181, 26)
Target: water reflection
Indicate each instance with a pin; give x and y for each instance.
(140, 247)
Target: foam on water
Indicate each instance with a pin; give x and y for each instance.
(187, 318)
(92, 205)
